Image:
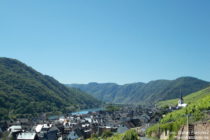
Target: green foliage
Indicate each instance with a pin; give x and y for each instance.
(130, 135)
(5, 136)
(107, 134)
(116, 137)
(173, 121)
(94, 137)
(112, 107)
(142, 93)
(187, 99)
(26, 91)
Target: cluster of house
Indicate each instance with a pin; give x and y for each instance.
(81, 126)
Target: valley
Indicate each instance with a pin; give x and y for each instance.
(143, 93)
(30, 100)
(104, 70)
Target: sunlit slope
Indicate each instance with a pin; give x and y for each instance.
(187, 99)
(196, 111)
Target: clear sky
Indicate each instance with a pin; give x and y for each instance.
(122, 41)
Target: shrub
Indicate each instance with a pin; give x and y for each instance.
(131, 135)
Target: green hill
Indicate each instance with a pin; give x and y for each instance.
(187, 99)
(144, 93)
(26, 91)
(197, 110)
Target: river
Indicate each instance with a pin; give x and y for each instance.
(81, 112)
(85, 111)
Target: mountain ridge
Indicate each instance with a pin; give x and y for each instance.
(155, 90)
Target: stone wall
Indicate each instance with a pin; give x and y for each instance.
(200, 131)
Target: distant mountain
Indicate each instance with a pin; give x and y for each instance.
(143, 93)
(26, 91)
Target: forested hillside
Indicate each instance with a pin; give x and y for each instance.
(26, 91)
(144, 93)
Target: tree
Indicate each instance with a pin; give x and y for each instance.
(131, 135)
(107, 134)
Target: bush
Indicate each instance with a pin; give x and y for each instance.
(131, 135)
(107, 134)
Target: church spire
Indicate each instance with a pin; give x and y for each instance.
(181, 98)
(181, 101)
(181, 94)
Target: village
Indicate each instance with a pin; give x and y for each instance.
(82, 126)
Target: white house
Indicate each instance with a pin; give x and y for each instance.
(27, 136)
(14, 128)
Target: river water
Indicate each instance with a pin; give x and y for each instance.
(85, 111)
(81, 112)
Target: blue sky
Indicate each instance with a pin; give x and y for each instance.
(122, 41)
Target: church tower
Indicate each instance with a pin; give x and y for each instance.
(181, 101)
